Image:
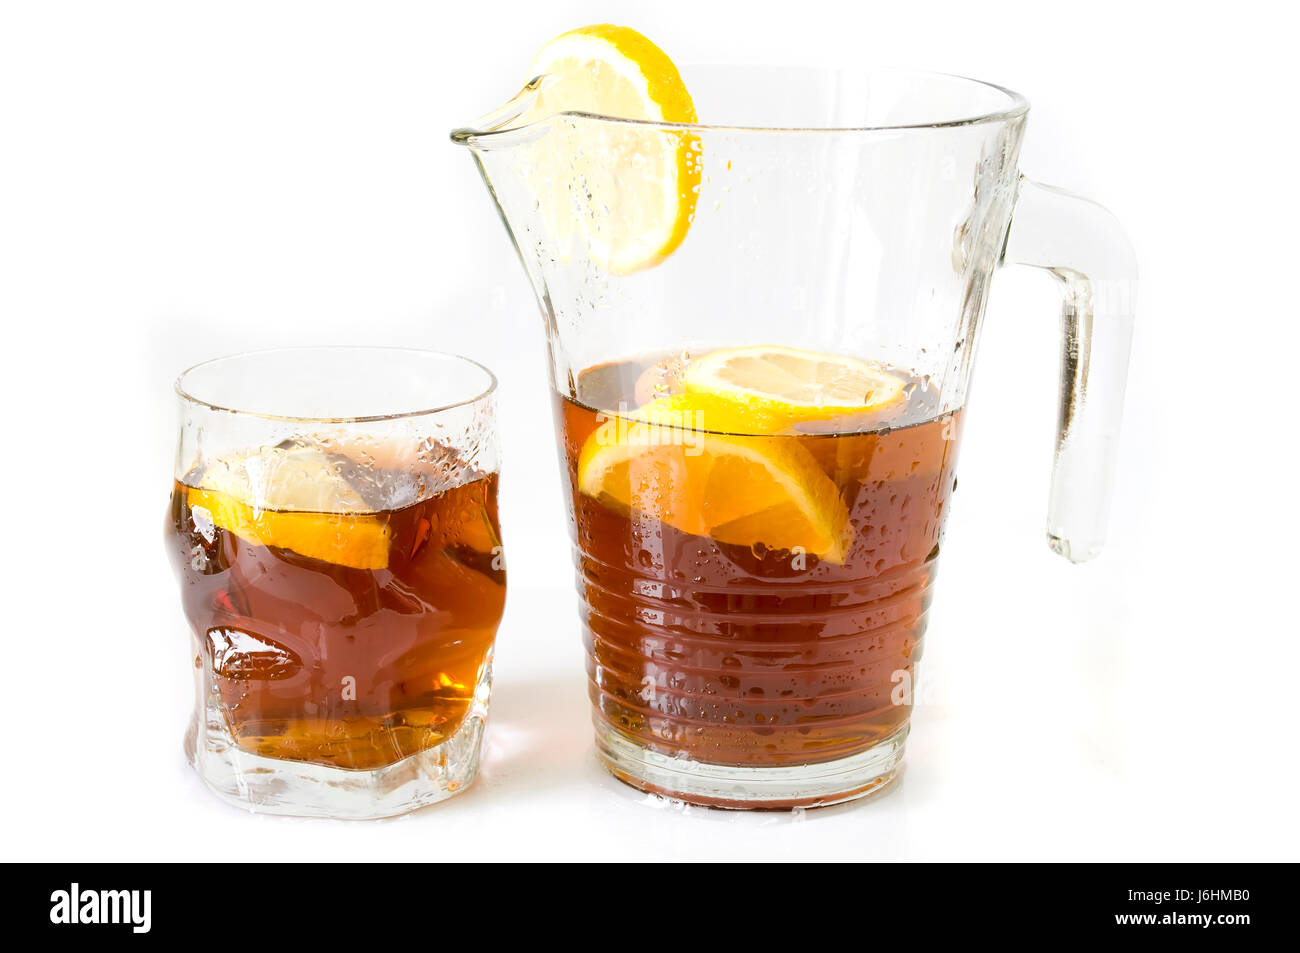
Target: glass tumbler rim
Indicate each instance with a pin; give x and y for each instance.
(184, 390)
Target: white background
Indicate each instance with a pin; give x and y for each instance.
(179, 181)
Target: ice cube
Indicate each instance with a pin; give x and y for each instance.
(245, 656)
(291, 476)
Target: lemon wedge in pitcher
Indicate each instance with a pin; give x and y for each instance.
(734, 489)
(630, 188)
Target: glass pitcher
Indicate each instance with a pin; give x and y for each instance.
(754, 595)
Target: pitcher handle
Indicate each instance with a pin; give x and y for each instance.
(1084, 246)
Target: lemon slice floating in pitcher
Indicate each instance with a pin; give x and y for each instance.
(773, 387)
(710, 460)
(631, 189)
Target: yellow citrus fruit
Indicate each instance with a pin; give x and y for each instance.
(772, 387)
(292, 499)
(630, 188)
(740, 490)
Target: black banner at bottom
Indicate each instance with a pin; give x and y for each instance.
(332, 902)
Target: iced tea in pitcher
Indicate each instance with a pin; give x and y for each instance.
(757, 532)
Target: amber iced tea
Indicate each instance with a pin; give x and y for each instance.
(733, 651)
(364, 649)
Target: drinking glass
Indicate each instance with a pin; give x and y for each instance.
(333, 524)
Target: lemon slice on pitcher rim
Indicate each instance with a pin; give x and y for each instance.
(733, 489)
(774, 387)
(629, 188)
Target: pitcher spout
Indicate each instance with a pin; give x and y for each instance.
(517, 113)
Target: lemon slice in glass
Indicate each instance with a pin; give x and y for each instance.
(295, 499)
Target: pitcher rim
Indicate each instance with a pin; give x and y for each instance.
(497, 123)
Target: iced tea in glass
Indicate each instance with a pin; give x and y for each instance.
(342, 575)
